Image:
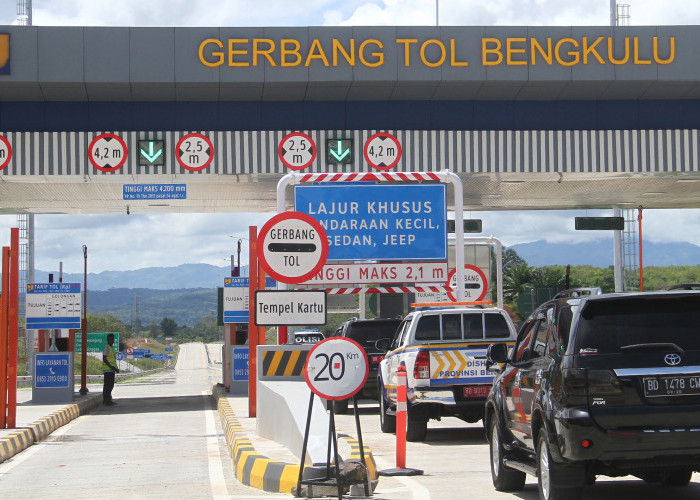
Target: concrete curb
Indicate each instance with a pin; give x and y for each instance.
(22, 438)
(256, 470)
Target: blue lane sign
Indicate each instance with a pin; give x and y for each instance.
(240, 363)
(167, 349)
(387, 222)
(52, 370)
(154, 191)
(53, 305)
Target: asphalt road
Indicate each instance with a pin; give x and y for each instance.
(455, 461)
(163, 439)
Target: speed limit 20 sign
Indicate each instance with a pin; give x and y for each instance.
(336, 368)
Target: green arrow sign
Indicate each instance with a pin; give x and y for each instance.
(339, 150)
(151, 153)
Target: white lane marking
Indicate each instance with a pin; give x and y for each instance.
(216, 467)
(21, 457)
(416, 490)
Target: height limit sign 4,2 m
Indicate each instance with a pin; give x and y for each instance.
(293, 247)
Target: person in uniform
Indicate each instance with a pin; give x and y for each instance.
(109, 367)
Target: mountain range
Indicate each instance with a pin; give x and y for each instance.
(600, 253)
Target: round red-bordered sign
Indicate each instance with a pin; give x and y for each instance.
(8, 155)
(336, 368)
(382, 155)
(277, 254)
(297, 150)
(195, 150)
(475, 271)
(101, 159)
(130, 350)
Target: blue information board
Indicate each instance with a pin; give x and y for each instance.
(52, 370)
(240, 363)
(236, 298)
(379, 222)
(53, 305)
(154, 191)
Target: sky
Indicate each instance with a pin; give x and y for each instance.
(124, 242)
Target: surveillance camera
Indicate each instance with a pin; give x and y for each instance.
(127, 210)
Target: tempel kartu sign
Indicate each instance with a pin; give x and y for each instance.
(379, 222)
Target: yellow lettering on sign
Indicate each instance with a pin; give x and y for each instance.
(338, 47)
(453, 55)
(294, 51)
(486, 50)
(535, 46)
(232, 52)
(672, 50)
(219, 55)
(407, 49)
(590, 49)
(379, 56)
(443, 53)
(611, 51)
(572, 53)
(316, 47)
(637, 60)
(510, 50)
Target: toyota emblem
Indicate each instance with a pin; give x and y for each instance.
(672, 359)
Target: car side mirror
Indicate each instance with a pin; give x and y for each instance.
(383, 345)
(496, 354)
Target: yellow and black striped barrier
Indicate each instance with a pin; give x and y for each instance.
(282, 362)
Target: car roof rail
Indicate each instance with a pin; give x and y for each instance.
(579, 292)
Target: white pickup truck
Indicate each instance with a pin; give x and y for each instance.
(444, 352)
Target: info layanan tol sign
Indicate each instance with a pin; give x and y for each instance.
(379, 222)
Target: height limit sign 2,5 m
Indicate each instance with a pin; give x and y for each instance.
(293, 247)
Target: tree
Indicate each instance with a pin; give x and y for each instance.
(168, 327)
(105, 323)
(154, 330)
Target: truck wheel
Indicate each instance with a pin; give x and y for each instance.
(416, 429)
(504, 478)
(386, 422)
(341, 406)
(545, 468)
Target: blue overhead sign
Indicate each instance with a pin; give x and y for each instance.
(379, 222)
(154, 191)
(52, 370)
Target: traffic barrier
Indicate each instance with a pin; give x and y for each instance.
(401, 418)
(283, 362)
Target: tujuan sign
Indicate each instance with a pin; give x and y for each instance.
(297, 150)
(290, 307)
(194, 152)
(53, 305)
(236, 295)
(336, 368)
(379, 222)
(293, 247)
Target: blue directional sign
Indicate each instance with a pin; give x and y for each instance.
(53, 305)
(167, 349)
(382, 222)
(240, 363)
(236, 298)
(120, 356)
(52, 370)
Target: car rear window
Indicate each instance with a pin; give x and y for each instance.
(607, 325)
(371, 331)
(496, 326)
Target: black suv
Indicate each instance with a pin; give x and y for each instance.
(598, 385)
(366, 332)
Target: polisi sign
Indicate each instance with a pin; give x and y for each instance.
(293, 247)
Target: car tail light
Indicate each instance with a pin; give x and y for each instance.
(422, 367)
(574, 385)
(603, 382)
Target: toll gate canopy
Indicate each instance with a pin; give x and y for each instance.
(93, 119)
